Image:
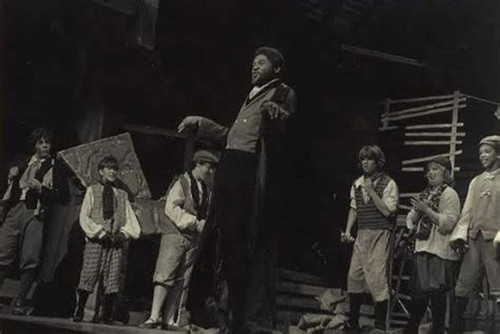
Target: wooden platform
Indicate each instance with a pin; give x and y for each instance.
(10, 324)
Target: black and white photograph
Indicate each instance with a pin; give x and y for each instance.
(249, 167)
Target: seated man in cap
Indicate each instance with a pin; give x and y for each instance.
(186, 207)
(479, 226)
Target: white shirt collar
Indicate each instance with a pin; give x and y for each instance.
(256, 90)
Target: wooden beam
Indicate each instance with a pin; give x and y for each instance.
(431, 143)
(428, 158)
(382, 55)
(423, 99)
(433, 134)
(421, 108)
(432, 126)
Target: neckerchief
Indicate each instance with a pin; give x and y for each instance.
(432, 196)
(199, 204)
(108, 200)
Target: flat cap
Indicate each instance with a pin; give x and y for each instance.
(491, 140)
(205, 156)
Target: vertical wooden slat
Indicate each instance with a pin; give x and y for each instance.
(387, 107)
(454, 126)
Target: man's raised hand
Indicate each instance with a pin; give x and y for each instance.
(189, 123)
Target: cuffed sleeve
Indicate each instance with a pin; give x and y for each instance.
(89, 227)
(174, 208)
(131, 228)
(412, 219)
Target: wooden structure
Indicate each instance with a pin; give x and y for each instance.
(431, 128)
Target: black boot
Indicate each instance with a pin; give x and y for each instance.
(380, 315)
(355, 300)
(80, 308)
(107, 312)
(457, 317)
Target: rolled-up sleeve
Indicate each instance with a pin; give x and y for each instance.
(390, 197)
(449, 211)
(462, 227)
(174, 208)
(352, 196)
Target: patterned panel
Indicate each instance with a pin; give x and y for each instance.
(83, 161)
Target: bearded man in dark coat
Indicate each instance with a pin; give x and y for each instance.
(242, 181)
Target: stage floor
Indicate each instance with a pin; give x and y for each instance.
(31, 324)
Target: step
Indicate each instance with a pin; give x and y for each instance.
(299, 289)
(308, 303)
(299, 277)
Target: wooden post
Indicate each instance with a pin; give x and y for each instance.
(387, 107)
(454, 127)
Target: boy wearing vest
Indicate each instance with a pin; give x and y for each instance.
(374, 201)
(186, 207)
(22, 232)
(479, 227)
(107, 219)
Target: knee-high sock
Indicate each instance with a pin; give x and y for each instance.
(438, 308)
(418, 308)
(27, 279)
(380, 314)
(80, 307)
(457, 321)
(355, 300)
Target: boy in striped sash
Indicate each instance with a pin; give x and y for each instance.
(374, 202)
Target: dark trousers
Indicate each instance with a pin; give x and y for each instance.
(234, 195)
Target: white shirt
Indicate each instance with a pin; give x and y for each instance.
(174, 207)
(131, 228)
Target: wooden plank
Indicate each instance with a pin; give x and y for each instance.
(428, 158)
(299, 289)
(432, 142)
(424, 99)
(421, 108)
(422, 113)
(432, 126)
(389, 128)
(421, 169)
(433, 134)
(298, 277)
